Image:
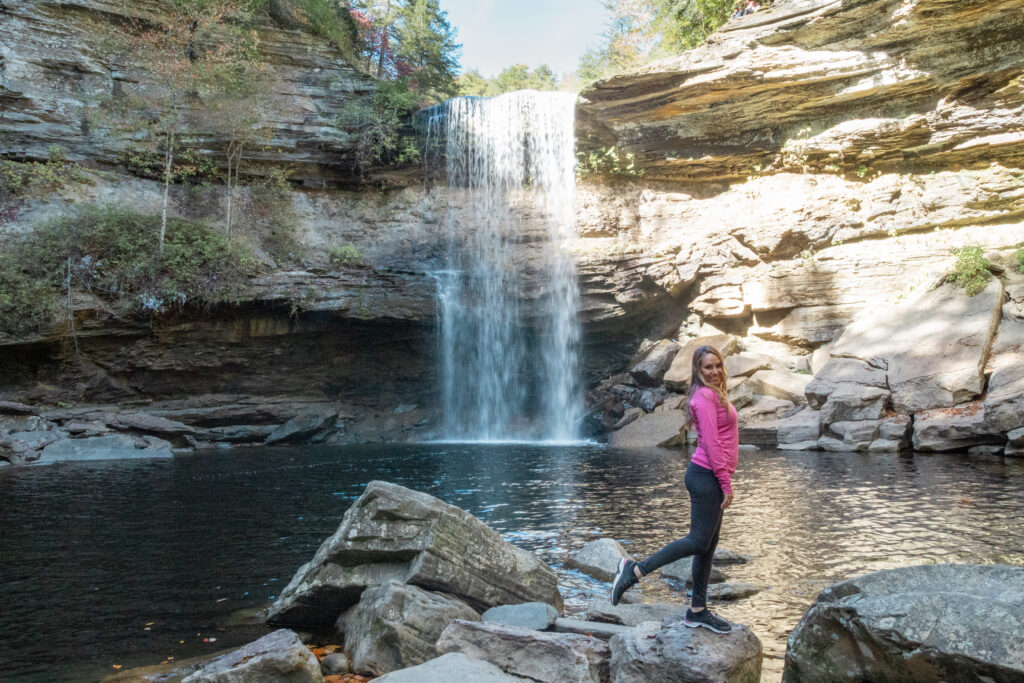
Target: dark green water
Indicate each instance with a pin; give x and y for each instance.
(92, 553)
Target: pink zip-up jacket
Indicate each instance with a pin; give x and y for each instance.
(718, 436)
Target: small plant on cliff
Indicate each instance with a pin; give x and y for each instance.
(112, 252)
(1019, 255)
(606, 162)
(346, 255)
(970, 270)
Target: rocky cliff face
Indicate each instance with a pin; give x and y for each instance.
(55, 68)
(812, 162)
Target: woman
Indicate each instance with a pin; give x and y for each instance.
(709, 482)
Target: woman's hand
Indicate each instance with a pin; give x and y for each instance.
(727, 502)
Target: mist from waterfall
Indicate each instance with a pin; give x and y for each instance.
(508, 298)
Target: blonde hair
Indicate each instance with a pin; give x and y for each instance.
(697, 381)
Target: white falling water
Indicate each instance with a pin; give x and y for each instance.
(508, 299)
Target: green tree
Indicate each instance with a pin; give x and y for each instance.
(543, 78)
(472, 83)
(686, 23)
(515, 77)
(426, 51)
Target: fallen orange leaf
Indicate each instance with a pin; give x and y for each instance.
(318, 651)
(116, 666)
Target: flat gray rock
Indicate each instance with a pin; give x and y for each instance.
(542, 656)
(592, 628)
(629, 615)
(113, 447)
(926, 623)
(279, 656)
(599, 559)
(453, 667)
(532, 615)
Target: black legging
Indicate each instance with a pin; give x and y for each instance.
(705, 523)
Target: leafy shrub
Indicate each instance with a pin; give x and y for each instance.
(347, 255)
(1019, 255)
(380, 126)
(970, 270)
(113, 252)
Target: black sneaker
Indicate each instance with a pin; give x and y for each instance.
(625, 579)
(708, 620)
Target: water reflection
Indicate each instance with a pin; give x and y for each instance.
(92, 553)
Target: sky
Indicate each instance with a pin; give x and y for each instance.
(498, 33)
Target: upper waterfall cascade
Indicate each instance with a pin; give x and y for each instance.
(508, 297)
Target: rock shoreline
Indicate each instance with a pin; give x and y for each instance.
(916, 623)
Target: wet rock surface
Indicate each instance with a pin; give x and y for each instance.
(924, 623)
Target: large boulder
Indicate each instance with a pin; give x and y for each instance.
(394, 533)
(854, 402)
(933, 347)
(678, 376)
(599, 559)
(781, 384)
(279, 656)
(541, 656)
(395, 626)
(1004, 402)
(650, 371)
(453, 667)
(839, 372)
(670, 652)
(942, 622)
(950, 429)
(304, 425)
(800, 431)
(661, 428)
(746, 364)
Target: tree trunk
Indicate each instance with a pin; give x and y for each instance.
(168, 159)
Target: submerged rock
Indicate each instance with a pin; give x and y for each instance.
(279, 656)
(927, 623)
(394, 533)
(395, 626)
(670, 651)
(540, 656)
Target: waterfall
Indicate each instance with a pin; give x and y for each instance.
(508, 297)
